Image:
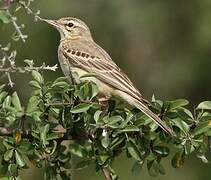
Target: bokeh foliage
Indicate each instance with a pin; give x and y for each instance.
(64, 122)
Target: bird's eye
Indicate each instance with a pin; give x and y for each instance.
(70, 24)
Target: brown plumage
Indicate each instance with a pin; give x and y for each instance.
(82, 59)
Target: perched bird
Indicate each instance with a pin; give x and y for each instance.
(82, 59)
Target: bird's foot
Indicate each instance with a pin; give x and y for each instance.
(104, 103)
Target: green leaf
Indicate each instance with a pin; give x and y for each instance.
(130, 128)
(35, 84)
(8, 154)
(24, 146)
(189, 148)
(178, 159)
(11, 118)
(13, 169)
(19, 159)
(2, 87)
(185, 113)
(60, 79)
(202, 128)
(16, 102)
(137, 167)
(82, 164)
(203, 158)
(153, 168)
(83, 107)
(43, 134)
(113, 121)
(162, 151)
(38, 77)
(177, 103)
(105, 141)
(2, 148)
(117, 142)
(8, 145)
(78, 150)
(33, 104)
(182, 125)
(7, 102)
(2, 96)
(4, 17)
(95, 90)
(36, 115)
(83, 91)
(128, 119)
(60, 85)
(156, 101)
(208, 133)
(53, 136)
(161, 169)
(133, 150)
(153, 126)
(102, 159)
(204, 105)
(142, 120)
(29, 62)
(97, 116)
(153, 98)
(204, 116)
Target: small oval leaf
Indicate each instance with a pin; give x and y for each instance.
(204, 105)
(83, 107)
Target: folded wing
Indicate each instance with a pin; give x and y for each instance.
(106, 71)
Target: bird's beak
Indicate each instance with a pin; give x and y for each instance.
(52, 22)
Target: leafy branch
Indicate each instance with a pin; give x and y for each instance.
(8, 65)
(6, 16)
(58, 112)
(62, 121)
(8, 59)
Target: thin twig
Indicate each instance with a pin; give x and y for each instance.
(58, 104)
(29, 11)
(8, 65)
(14, 69)
(28, 68)
(9, 79)
(17, 28)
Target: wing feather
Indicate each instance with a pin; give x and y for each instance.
(106, 71)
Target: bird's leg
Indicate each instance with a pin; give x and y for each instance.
(104, 103)
(72, 80)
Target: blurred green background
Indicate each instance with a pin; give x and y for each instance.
(163, 46)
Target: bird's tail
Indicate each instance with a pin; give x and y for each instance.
(153, 116)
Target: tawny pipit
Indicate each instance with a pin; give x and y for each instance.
(82, 59)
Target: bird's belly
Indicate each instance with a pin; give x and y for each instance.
(66, 68)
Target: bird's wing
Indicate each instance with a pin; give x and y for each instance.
(107, 71)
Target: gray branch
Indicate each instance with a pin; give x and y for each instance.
(28, 69)
(107, 173)
(17, 28)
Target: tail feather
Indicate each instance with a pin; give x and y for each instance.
(153, 116)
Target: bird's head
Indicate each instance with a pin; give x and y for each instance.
(71, 28)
